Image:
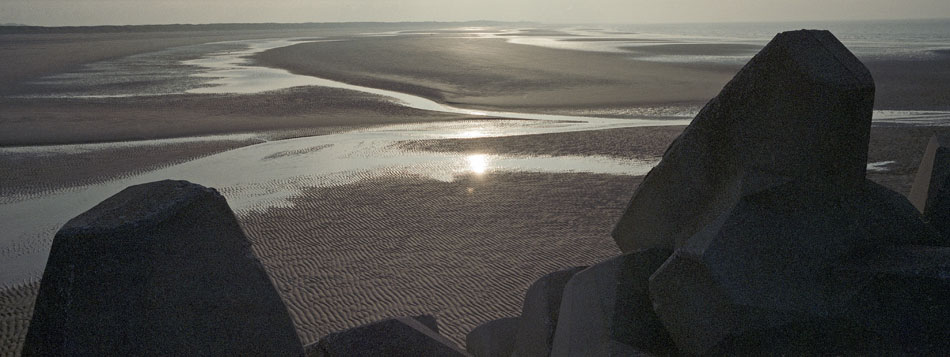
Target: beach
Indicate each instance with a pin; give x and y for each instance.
(363, 206)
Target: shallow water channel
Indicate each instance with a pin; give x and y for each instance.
(269, 174)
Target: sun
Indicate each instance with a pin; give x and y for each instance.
(477, 163)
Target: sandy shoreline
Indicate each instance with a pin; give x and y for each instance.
(493, 74)
(60, 121)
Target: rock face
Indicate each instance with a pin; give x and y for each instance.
(800, 110)
(161, 268)
(765, 264)
(901, 294)
(401, 336)
(539, 314)
(495, 338)
(931, 191)
(606, 309)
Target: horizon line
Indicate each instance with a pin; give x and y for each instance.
(21, 25)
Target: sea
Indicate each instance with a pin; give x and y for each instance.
(869, 40)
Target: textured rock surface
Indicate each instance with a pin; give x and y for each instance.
(401, 336)
(819, 337)
(608, 305)
(495, 338)
(931, 191)
(539, 314)
(799, 110)
(902, 294)
(161, 268)
(766, 263)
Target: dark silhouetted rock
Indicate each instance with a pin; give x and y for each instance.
(401, 336)
(821, 337)
(766, 263)
(800, 110)
(495, 338)
(539, 314)
(606, 309)
(428, 321)
(158, 269)
(902, 294)
(889, 218)
(931, 191)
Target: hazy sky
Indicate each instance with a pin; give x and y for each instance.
(97, 12)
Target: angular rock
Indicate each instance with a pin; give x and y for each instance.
(765, 265)
(902, 294)
(800, 110)
(889, 218)
(820, 337)
(539, 314)
(160, 268)
(495, 338)
(428, 321)
(930, 193)
(607, 307)
(401, 336)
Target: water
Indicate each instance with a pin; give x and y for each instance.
(869, 40)
(270, 174)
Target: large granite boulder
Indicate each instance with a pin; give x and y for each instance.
(765, 265)
(900, 293)
(495, 338)
(401, 336)
(606, 309)
(800, 110)
(930, 193)
(158, 269)
(539, 314)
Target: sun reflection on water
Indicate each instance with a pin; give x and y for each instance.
(471, 134)
(478, 163)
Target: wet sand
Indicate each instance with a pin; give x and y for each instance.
(28, 56)
(421, 246)
(493, 74)
(628, 143)
(41, 121)
(31, 173)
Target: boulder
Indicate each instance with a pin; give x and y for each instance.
(495, 338)
(765, 264)
(930, 193)
(539, 314)
(900, 293)
(889, 218)
(800, 110)
(400, 336)
(819, 337)
(606, 308)
(160, 268)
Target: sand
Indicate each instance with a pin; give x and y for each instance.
(28, 56)
(61, 121)
(350, 255)
(628, 143)
(16, 308)
(493, 74)
(36, 172)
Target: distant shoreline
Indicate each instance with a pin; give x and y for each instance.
(30, 29)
